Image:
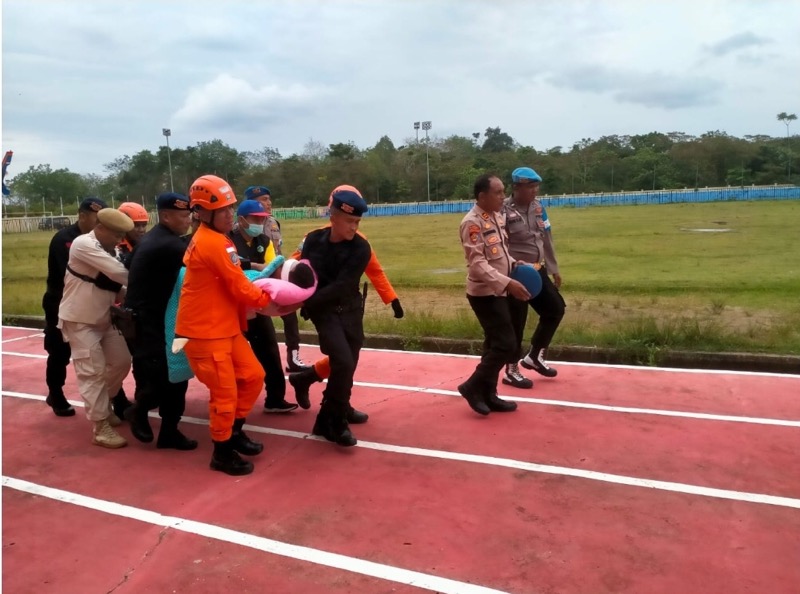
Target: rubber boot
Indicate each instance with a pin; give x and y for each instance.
(243, 444)
(227, 460)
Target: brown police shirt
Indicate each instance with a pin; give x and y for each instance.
(485, 242)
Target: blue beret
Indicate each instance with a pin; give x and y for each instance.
(349, 202)
(92, 204)
(172, 201)
(253, 192)
(525, 175)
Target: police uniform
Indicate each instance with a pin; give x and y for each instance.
(530, 240)
(260, 329)
(153, 272)
(336, 310)
(489, 264)
(99, 354)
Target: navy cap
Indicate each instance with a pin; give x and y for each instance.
(92, 204)
(349, 202)
(172, 201)
(251, 208)
(254, 192)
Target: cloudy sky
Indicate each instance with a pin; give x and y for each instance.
(87, 81)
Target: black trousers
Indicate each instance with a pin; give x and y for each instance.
(291, 331)
(150, 371)
(494, 316)
(261, 336)
(341, 336)
(550, 306)
(58, 354)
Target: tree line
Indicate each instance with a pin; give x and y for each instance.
(387, 173)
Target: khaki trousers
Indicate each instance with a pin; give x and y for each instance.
(101, 360)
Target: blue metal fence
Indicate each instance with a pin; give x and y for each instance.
(575, 201)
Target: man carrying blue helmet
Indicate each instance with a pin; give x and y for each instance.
(530, 239)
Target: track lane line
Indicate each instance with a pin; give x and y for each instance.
(630, 481)
(316, 556)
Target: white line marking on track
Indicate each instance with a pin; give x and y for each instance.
(511, 463)
(565, 403)
(40, 335)
(568, 363)
(259, 543)
(27, 355)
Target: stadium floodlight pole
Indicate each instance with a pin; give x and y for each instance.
(167, 133)
(416, 129)
(427, 126)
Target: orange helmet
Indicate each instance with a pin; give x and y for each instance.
(345, 188)
(211, 193)
(135, 212)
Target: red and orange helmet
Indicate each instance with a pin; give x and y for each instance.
(135, 212)
(211, 193)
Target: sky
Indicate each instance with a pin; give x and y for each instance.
(87, 81)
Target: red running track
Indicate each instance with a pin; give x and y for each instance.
(606, 479)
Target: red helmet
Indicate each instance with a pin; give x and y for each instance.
(211, 193)
(135, 212)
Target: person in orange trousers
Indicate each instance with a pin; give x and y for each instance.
(211, 320)
(321, 369)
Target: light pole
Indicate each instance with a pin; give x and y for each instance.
(427, 126)
(167, 133)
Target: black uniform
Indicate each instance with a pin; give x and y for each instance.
(58, 351)
(154, 269)
(337, 312)
(260, 330)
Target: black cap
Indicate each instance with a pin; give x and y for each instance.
(172, 201)
(92, 204)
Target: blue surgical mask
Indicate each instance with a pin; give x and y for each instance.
(254, 230)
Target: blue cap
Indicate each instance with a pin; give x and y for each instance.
(251, 208)
(254, 192)
(172, 201)
(92, 204)
(349, 202)
(525, 175)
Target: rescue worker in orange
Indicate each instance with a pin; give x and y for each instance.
(321, 369)
(140, 218)
(212, 316)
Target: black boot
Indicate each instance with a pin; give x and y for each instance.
(301, 382)
(496, 404)
(243, 444)
(140, 423)
(474, 395)
(171, 438)
(225, 459)
(356, 417)
(120, 404)
(60, 406)
(333, 427)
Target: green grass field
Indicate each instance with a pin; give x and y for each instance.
(640, 278)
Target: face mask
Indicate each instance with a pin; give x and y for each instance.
(254, 230)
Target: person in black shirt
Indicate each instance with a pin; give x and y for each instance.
(58, 351)
(255, 250)
(154, 268)
(339, 257)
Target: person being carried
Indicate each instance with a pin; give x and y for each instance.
(211, 319)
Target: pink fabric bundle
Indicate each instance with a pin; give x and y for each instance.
(286, 296)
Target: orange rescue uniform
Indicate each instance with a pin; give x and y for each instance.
(212, 315)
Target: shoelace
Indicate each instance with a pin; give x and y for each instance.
(513, 373)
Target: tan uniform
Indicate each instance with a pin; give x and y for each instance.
(99, 353)
(485, 242)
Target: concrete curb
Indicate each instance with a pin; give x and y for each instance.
(788, 364)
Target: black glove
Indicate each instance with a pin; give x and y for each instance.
(397, 308)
